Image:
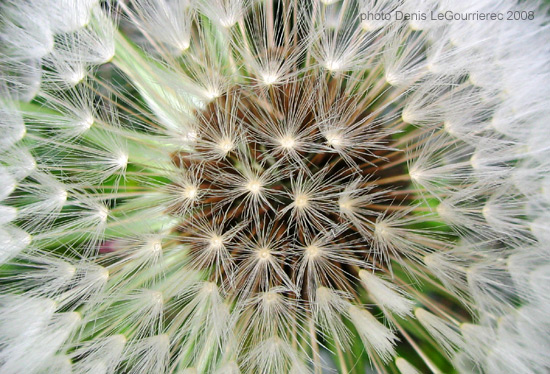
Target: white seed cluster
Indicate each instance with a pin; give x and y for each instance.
(275, 186)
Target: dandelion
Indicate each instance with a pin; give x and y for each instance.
(273, 186)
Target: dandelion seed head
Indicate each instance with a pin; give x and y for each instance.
(233, 186)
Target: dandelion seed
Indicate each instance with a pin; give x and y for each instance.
(225, 146)
(386, 294)
(373, 333)
(190, 192)
(254, 186)
(301, 200)
(405, 367)
(269, 78)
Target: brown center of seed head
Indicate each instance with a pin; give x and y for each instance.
(244, 135)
